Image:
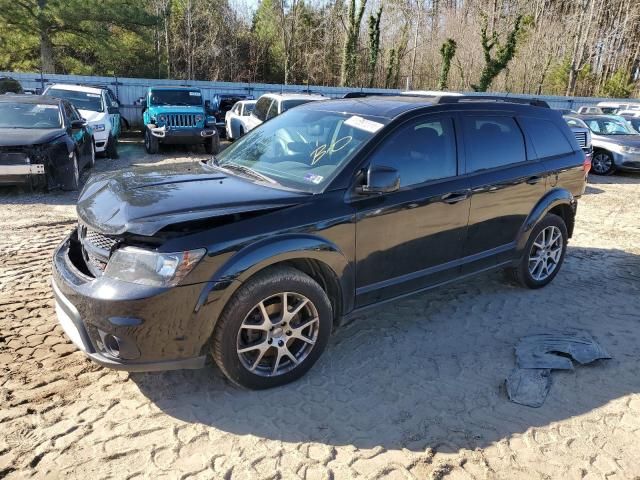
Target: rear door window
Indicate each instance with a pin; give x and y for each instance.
(492, 141)
(262, 106)
(547, 138)
(421, 150)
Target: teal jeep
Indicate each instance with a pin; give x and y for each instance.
(176, 115)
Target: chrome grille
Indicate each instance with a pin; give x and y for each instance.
(581, 137)
(181, 120)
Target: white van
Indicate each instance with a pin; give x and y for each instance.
(99, 108)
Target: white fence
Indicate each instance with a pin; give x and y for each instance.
(128, 90)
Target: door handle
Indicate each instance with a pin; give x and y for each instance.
(455, 197)
(533, 180)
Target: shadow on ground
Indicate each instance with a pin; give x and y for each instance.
(428, 371)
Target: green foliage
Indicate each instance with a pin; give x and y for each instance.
(9, 85)
(505, 52)
(447, 52)
(73, 36)
(349, 53)
(618, 86)
(374, 44)
(390, 79)
(558, 77)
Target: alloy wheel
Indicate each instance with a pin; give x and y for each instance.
(546, 252)
(601, 163)
(278, 334)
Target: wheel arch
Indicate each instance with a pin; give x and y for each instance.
(558, 201)
(319, 258)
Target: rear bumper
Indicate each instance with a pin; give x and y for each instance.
(183, 135)
(17, 174)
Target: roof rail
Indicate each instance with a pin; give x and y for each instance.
(490, 98)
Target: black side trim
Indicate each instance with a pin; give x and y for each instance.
(438, 268)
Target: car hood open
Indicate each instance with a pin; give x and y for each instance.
(143, 200)
(14, 137)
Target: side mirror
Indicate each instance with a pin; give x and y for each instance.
(380, 179)
(78, 124)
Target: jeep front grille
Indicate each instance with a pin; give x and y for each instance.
(181, 120)
(581, 137)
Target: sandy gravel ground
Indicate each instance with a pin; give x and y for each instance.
(414, 390)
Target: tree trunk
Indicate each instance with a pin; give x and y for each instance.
(47, 62)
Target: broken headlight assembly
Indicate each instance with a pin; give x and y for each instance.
(154, 269)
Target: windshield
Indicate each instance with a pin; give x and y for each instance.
(29, 115)
(635, 123)
(80, 100)
(176, 97)
(301, 149)
(608, 126)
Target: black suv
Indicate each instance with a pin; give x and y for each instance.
(254, 257)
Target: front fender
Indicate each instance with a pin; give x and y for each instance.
(552, 199)
(260, 255)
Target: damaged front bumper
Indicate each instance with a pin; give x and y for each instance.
(125, 326)
(13, 174)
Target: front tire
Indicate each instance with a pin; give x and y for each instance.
(73, 183)
(602, 163)
(151, 144)
(212, 145)
(543, 254)
(112, 147)
(274, 328)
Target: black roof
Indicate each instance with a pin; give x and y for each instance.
(392, 106)
(41, 99)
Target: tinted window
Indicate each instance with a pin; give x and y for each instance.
(287, 104)
(262, 105)
(547, 138)
(422, 150)
(70, 112)
(248, 108)
(492, 142)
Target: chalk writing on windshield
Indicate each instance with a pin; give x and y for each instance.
(319, 152)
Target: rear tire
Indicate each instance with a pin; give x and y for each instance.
(259, 352)
(151, 144)
(543, 254)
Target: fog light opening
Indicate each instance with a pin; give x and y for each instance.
(112, 345)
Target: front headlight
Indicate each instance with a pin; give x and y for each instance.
(628, 149)
(198, 118)
(162, 118)
(144, 267)
(98, 127)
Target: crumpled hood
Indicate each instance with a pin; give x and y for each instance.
(144, 200)
(15, 137)
(627, 140)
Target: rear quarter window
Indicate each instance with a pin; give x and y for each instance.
(548, 140)
(492, 141)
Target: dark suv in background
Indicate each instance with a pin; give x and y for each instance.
(332, 208)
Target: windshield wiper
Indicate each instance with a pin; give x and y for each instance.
(244, 169)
